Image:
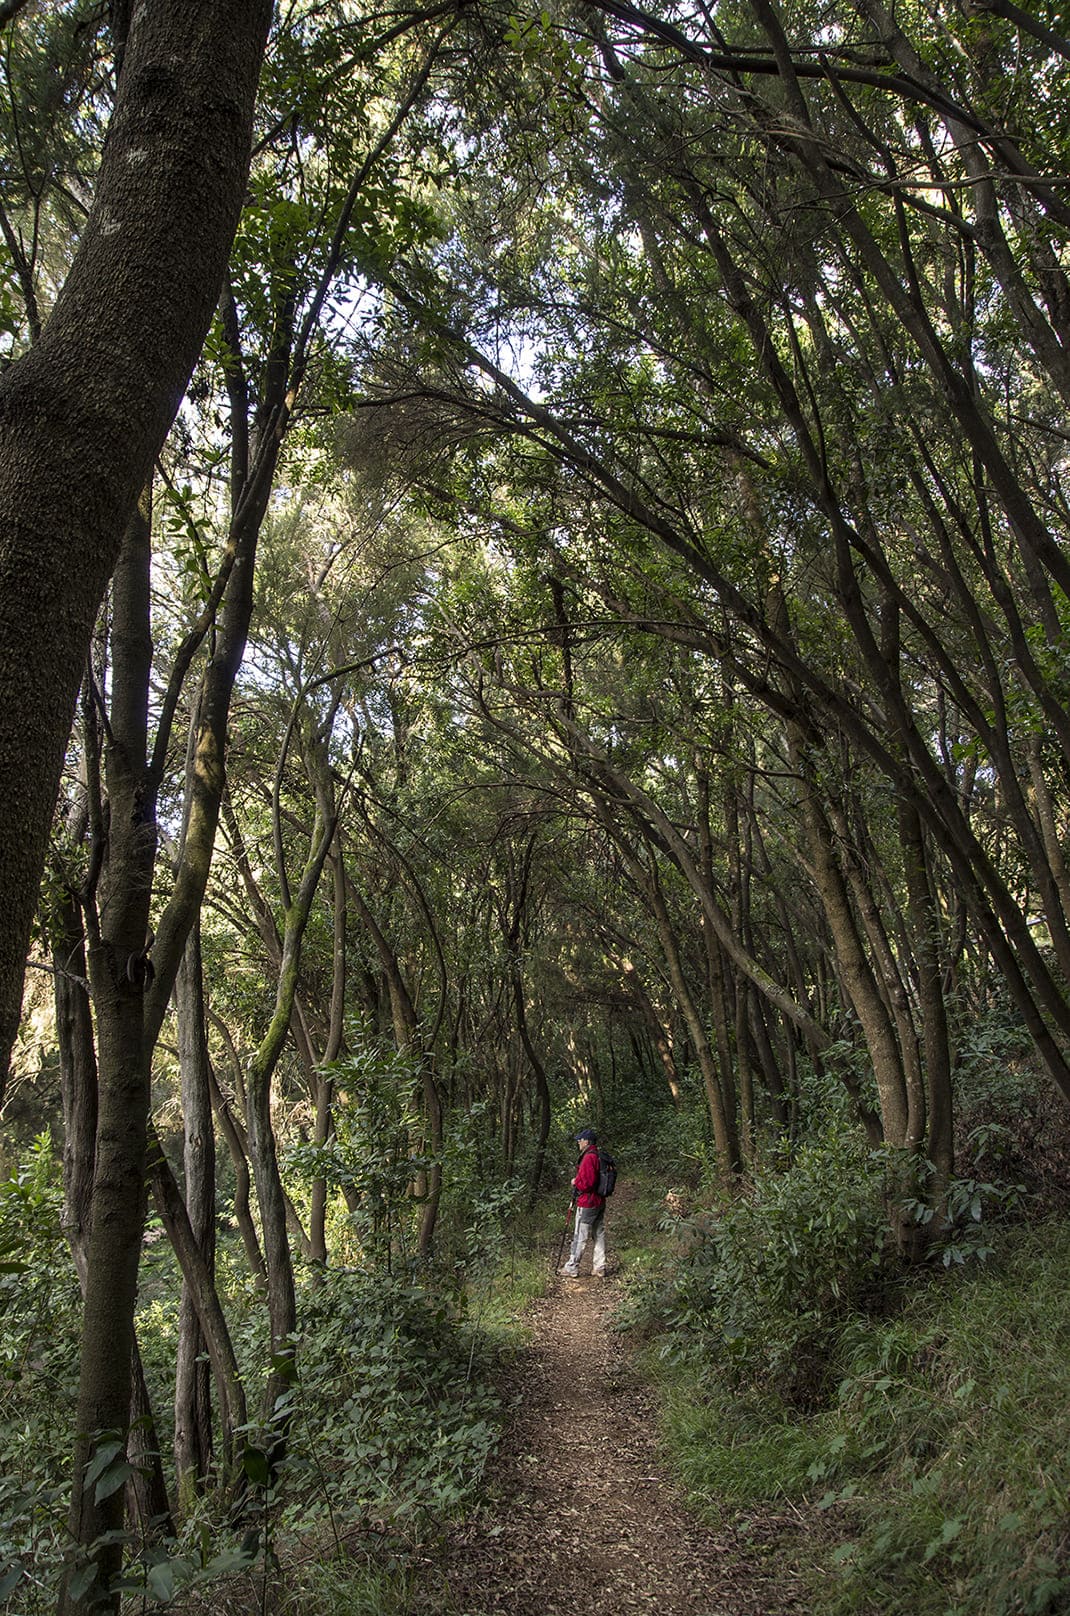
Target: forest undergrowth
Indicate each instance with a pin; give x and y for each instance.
(923, 1414)
(897, 1435)
(389, 1425)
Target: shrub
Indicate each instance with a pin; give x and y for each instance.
(390, 1398)
(764, 1282)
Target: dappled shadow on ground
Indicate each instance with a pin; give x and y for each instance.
(582, 1520)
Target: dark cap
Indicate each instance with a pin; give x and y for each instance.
(585, 1133)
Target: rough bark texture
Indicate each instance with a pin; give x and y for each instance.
(84, 412)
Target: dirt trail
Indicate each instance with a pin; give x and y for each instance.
(585, 1521)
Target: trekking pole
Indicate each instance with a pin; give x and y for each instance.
(564, 1233)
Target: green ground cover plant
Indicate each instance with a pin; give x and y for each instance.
(920, 1420)
(950, 1441)
(763, 1278)
(38, 1368)
(391, 1420)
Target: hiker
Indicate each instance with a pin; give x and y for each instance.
(590, 1208)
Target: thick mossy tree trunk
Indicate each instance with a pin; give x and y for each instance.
(84, 412)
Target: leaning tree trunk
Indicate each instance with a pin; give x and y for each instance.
(84, 412)
(199, 1284)
(281, 1291)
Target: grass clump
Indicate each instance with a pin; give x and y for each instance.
(732, 1454)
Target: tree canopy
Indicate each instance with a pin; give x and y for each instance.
(551, 525)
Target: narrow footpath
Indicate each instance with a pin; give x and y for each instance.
(583, 1518)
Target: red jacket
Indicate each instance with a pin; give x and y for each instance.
(587, 1179)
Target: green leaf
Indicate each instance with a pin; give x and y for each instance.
(230, 1560)
(284, 1364)
(101, 1460)
(161, 1581)
(255, 1464)
(82, 1580)
(112, 1479)
(947, 1534)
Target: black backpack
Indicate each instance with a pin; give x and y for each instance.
(607, 1175)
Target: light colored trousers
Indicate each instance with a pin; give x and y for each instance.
(590, 1222)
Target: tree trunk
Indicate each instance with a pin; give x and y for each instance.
(925, 926)
(234, 1134)
(146, 1492)
(202, 1292)
(322, 1086)
(84, 412)
(542, 1087)
(118, 972)
(193, 1407)
(282, 1299)
(403, 1015)
(861, 989)
(147, 1506)
(78, 1068)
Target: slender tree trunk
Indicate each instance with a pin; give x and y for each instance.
(234, 1134)
(767, 1061)
(722, 1121)
(406, 1037)
(657, 1032)
(542, 1087)
(193, 1408)
(926, 929)
(888, 981)
(118, 972)
(322, 1086)
(78, 1068)
(282, 1300)
(746, 1075)
(203, 1294)
(146, 1492)
(147, 1504)
(858, 980)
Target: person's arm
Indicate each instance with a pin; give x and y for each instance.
(586, 1173)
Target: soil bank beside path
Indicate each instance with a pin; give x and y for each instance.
(582, 1519)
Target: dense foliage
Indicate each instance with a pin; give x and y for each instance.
(594, 647)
